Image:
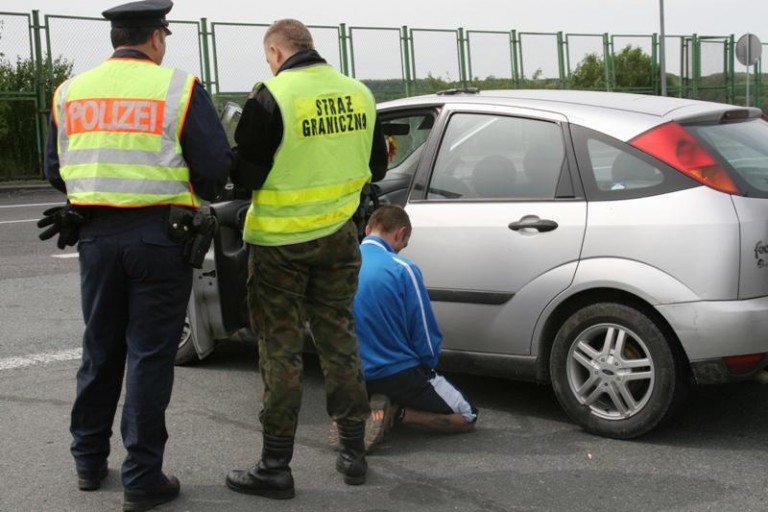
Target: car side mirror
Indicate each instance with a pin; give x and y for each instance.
(230, 116)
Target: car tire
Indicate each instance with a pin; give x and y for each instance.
(615, 372)
(186, 353)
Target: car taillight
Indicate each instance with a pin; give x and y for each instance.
(675, 146)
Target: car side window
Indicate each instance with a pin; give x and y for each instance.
(486, 156)
(615, 169)
(405, 140)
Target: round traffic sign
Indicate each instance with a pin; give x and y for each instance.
(748, 49)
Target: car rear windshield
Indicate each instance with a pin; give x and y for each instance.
(743, 146)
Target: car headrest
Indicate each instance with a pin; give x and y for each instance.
(494, 176)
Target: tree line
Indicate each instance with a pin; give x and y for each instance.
(20, 81)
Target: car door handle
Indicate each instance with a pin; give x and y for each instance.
(541, 225)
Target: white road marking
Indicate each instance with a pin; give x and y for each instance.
(12, 363)
(65, 255)
(33, 205)
(17, 221)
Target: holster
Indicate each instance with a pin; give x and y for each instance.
(195, 229)
(369, 201)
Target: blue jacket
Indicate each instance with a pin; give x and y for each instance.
(394, 321)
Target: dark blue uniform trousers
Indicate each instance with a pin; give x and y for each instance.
(135, 287)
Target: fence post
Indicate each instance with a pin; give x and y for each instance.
(343, 51)
(561, 60)
(730, 47)
(696, 66)
(686, 66)
(205, 59)
(515, 54)
(352, 53)
(655, 79)
(405, 50)
(608, 62)
(758, 84)
(43, 94)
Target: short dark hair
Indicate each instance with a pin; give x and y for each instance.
(390, 217)
(290, 33)
(131, 36)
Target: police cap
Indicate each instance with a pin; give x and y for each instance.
(147, 13)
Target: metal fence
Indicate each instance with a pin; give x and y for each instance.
(393, 61)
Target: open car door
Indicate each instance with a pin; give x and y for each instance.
(217, 306)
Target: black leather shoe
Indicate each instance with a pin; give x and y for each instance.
(271, 477)
(90, 479)
(275, 484)
(139, 500)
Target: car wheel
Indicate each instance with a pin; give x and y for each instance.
(614, 371)
(186, 353)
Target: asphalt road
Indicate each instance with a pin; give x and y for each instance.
(524, 456)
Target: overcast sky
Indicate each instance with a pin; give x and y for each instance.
(684, 17)
(240, 59)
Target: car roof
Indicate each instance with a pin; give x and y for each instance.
(620, 114)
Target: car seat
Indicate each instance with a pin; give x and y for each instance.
(495, 176)
(542, 164)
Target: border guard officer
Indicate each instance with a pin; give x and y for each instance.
(308, 142)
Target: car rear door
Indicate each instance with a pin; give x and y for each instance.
(498, 224)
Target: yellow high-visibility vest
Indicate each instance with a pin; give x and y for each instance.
(119, 128)
(323, 160)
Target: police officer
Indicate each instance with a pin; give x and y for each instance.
(308, 141)
(128, 141)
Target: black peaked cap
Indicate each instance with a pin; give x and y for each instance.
(146, 13)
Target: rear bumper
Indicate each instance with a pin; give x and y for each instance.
(710, 331)
(715, 371)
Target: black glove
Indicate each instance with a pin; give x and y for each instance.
(64, 220)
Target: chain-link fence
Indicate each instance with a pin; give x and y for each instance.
(377, 53)
(20, 132)
(393, 61)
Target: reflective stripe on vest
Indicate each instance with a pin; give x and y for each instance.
(322, 162)
(119, 127)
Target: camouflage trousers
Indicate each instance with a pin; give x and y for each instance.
(312, 281)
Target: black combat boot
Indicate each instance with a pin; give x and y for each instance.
(351, 461)
(270, 477)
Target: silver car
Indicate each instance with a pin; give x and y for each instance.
(613, 245)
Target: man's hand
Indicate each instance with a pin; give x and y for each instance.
(64, 221)
(52, 220)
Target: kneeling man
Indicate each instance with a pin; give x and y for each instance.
(399, 337)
